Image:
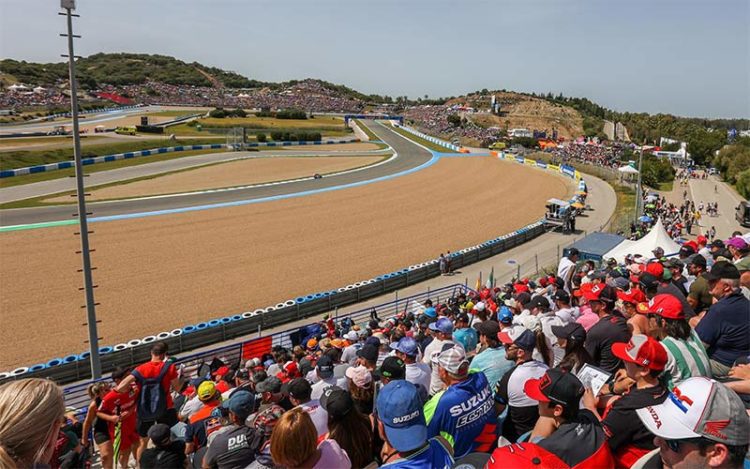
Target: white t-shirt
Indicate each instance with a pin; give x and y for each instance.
(323, 384)
(190, 407)
(525, 371)
(548, 320)
(568, 315)
(436, 384)
(350, 353)
(317, 414)
(563, 269)
(418, 373)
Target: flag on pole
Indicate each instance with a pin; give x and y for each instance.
(479, 282)
(491, 279)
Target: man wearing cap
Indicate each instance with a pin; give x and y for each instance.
(628, 438)
(401, 424)
(463, 414)
(203, 423)
(563, 309)
(610, 328)
(442, 330)
(324, 371)
(699, 293)
(675, 267)
(567, 267)
(571, 435)
(725, 329)
(491, 360)
(299, 391)
(702, 424)
(270, 391)
(465, 335)
(350, 352)
(540, 308)
(686, 356)
(523, 411)
(740, 252)
(236, 444)
(165, 453)
(416, 373)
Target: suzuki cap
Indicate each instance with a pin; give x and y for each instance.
(666, 306)
(699, 407)
(643, 351)
(443, 325)
(400, 410)
(560, 387)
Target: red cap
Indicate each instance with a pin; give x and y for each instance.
(520, 288)
(585, 287)
(692, 244)
(666, 306)
(638, 295)
(655, 269)
(641, 308)
(702, 240)
(643, 351)
(626, 297)
(221, 371)
(592, 293)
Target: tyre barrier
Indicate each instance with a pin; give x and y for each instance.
(237, 317)
(226, 320)
(103, 350)
(176, 332)
(148, 339)
(134, 343)
(201, 326)
(270, 309)
(70, 359)
(214, 322)
(54, 362)
(20, 371)
(301, 299)
(119, 347)
(247, 315)
(85, 355)
(280, 305)
(290, 303)
(163, 335)
(5, 375)
(38, 367)
(259, 311)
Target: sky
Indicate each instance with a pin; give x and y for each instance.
(684, 57)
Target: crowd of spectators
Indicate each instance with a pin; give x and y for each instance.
(608, 156)
(433, 120)
(594, 366)
(308, 95)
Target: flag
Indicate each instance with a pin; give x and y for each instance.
(479, 282)
(118, 440)
(491, 279)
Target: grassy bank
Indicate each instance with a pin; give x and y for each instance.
(421, 141)
(366, 130)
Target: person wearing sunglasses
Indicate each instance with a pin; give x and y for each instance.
(701, 424)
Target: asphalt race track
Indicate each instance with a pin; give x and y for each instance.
(410, 156)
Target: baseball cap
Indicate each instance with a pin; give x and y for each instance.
(351, 336)
(655, 269)
(698, 260)
(400, 410)
(648, 281)
(265, 420)
(431, 312)
(369, 352)
(699, 407)
(453, 360)
(336, 401)
(443, 325)
(561, 295)
(206, 390)
(643, 351)
(701, 240)
(504, 315)
(392, 368)
(717, 243)
(359, 375)
(686, 251)
(555, 386)
(573, 252)
(241, 404)
(570, 331)
(519, 336)
(599, 292)
(299, 388)
(621, 283)
(312, 344)
(737, 242)
(539, 301)
(325, 366)
(627, 297)
(658, 251)
(271, 384)
(160, 434)
(666, 306)
(407, 345)
(723, 269)
(489, 328)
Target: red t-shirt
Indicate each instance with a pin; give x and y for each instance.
(152, 370)
(116, 403)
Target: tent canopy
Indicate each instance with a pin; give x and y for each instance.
(595, 245)
(657, 237)
(627, 169)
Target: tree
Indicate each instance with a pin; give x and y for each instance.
(743, 183)
(454, 120)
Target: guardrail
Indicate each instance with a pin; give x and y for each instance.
(430, 138)
(75, 367)
(89, 111)
(254, 347)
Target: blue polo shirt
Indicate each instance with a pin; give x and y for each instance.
(726, 329)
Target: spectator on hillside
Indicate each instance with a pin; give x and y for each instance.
(324, 371)
(401, 424)
(350, 352)
(702, 424)
(523, 411)
(442, 331)
(465, 335)
(264, 423)
(119, 409)
(299, 391)
(567, 267)
(361, 388)
(193, 403)
(463, 413)
(416, 373)
(540, 307)
(270, 391)
(628, 438)
(294, 444)
(156, 367)
(587, 317)
(235, 444)
(699, 292)
(611, 327)
(491, 360)
(165, 452)
(368, 355)
(563, 309)
(30, 414)
(725, 329)
(348, 427)
(393, 368)
(571, 338)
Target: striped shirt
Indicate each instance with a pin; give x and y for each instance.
(685, 359)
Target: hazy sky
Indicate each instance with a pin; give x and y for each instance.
(687, 57)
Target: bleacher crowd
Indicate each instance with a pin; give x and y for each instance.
(593, 367)
(608, 156)
(433, 120)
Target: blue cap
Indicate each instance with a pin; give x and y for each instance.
(372, 340)
(504, 315)
(400, 409)
(430, 312)
(443, 325)
(406, 345)
(242, 403)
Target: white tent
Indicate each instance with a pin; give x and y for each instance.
(657, 237)
(627, 169)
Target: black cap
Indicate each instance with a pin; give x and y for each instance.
(160, 434)
(717, 243)
(556, 386)
(325, 366)
(271, 384)
(489, 328)
(539, 301)
(368, 352)
(392, 368)
(686, 251)
(462, 317)
(608, 294)
(336, 402)
(559, 282)
(561, 295)
(524, 298)
(698, 260)
(242, 374)
(299, 388)
(573, 252)
(648, 281)
(373, 324)
(723, 269)
(570, 331)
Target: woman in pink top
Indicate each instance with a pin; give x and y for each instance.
(294, 444)
(587, 318)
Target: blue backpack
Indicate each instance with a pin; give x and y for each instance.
(152, 402)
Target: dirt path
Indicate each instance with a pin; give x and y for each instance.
(164, 272)
(236, 173)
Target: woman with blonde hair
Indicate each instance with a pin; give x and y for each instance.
(31, 413)
(293, 444)
(96, 392)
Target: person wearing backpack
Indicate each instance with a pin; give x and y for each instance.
(155, 379)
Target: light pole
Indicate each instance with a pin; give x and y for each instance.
(88, 284)
(638, 195)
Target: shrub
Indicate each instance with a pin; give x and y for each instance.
(276, 135)
(291, 114)
(261, 137)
